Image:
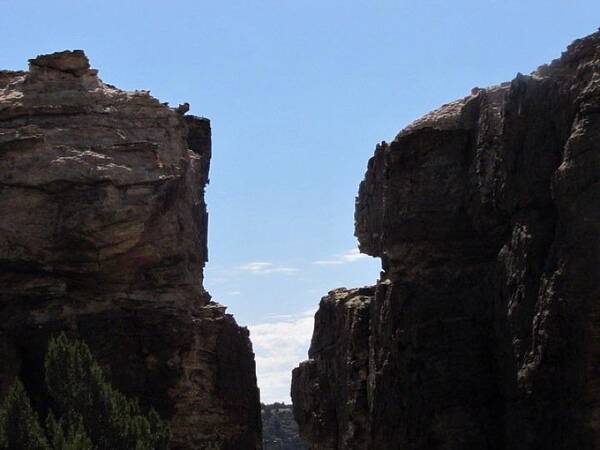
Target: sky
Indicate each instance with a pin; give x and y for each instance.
(298, 93)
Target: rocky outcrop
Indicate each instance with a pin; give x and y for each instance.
(337, 373)
(484, 330)
(103, 234)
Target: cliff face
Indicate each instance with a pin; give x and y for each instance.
(103, 234)
(484, 330)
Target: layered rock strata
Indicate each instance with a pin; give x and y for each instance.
(103, 234)
(484, 330)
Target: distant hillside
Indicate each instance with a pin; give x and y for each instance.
(280, 430)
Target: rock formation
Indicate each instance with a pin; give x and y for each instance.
(484, 329)
(103, 234)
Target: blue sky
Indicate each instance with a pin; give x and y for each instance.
(298, 92)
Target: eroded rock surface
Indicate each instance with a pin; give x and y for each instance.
(484, 330)
(103, 234)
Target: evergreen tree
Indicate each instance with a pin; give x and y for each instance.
(19, 425)
(74, 438)
(77, 385)
(92, 414)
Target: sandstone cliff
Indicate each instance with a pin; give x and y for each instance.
(484, 330)
(103, 234)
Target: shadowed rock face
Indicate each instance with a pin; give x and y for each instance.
(483, 332)
(103, 234)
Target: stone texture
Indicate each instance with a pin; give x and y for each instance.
(484, 330)
(103, 234)
(337, 373)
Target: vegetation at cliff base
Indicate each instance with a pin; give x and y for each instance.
(280, 430)
(87, 413)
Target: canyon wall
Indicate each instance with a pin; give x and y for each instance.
(103, 234)
(484, 329)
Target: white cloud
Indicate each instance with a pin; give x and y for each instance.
(234, 293)
(343, 258)
(263, 268)
(279, 347)
(290, 317)
(328, 262)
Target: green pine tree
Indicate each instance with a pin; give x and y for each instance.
(78, 387)
(74, 438)
(19, 425)
(92, 414)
